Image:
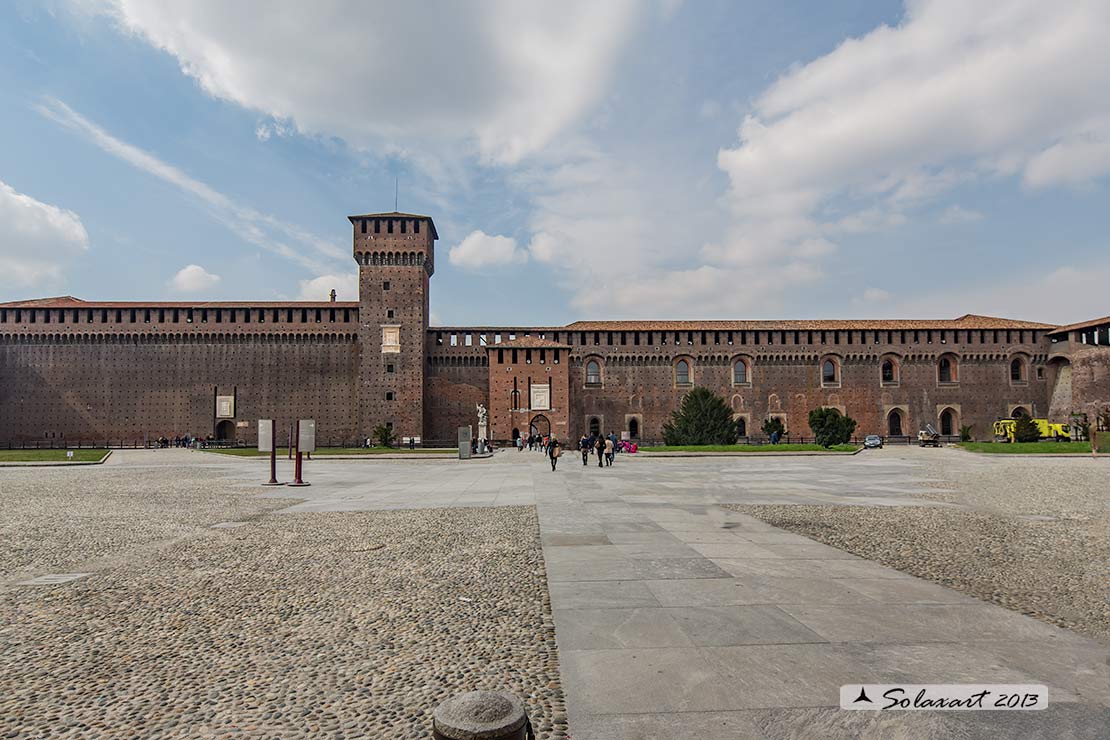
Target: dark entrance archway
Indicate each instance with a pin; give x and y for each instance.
(948, 422)
(634, 428)
(225, 430)
(595, 426)
(540, 425)
(1018, 411)
(516, 433)
(894, 424)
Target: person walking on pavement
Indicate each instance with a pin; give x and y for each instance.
(609, 450)
(599, 448)
(554, 450)
(584, 446)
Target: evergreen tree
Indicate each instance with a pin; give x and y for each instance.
(830, 427)
(702, 418)
(772, 425)
(384, 435)
(1026, 430)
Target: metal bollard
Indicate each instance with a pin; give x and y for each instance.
(482, 715)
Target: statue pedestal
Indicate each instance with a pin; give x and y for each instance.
(483, 432)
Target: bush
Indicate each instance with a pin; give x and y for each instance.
(830, 427)
(772, 425)
(703, 418)
(384, 436)
(1026, 430)
(965, 433)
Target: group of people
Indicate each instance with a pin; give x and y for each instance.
(182, 441)
(604, 447)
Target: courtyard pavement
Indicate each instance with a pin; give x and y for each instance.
(678, 618)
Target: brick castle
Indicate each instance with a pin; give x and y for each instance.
(121, 372)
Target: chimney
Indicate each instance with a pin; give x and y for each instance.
(333, 295)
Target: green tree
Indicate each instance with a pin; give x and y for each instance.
(965, 433)
(1025, 429)
(771, 425)
(703, 418)
(830, 427)
(384, 435)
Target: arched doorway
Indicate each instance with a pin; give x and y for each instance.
(947, 423)
(595, 426)
(634, 428)
(1018, 411)
(516, 434)
(742, 427)
(540, 425)
(225, 430)
(894, 423)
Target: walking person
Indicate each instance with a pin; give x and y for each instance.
(609, 450)
(554, 450)
(599, 448)
(584, 446)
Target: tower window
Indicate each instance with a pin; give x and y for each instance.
(377, 226)
(389, 314)
(385, 285)
(416, 226)
(389, 395)
(389, 226)
(389, 368)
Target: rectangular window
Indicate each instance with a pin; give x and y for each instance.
(389, 225)
(416, 226)
(385, 285)
(514, 357)
(389, 395)
(363, 221)
(404, 226)
(377, 226)
(500, 357)
(389, 367)
(468, 339)
(389, 313)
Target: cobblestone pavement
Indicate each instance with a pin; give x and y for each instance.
(1030, 534)
(352, 625)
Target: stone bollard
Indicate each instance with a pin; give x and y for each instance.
(481, 715)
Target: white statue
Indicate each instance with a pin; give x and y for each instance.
(483, 416)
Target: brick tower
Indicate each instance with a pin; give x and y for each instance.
(396, 257)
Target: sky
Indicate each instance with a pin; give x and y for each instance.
(709, 159)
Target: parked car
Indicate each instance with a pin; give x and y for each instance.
(872, 442)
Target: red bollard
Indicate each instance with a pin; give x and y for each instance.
(297, 481)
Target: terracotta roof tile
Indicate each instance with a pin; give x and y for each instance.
(968, 321)
(1081, 325)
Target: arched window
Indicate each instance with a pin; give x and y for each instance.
(1017, 370)
(742, 427)
(830, 372)
(889, 372)
(946, 370)
(1018, 411)
(595, 426)
(682, 373)
(634, 428)
(740, 374)
(593, 373)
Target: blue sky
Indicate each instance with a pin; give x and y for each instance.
(582, 161)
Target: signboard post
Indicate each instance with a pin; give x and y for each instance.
(306, 442)
(266, 433)
(464, 443)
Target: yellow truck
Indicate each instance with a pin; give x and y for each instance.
(1004, 430)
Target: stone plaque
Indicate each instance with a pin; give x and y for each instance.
(225, 407)
(306, 435)
(265, 435)
(541, 397)
(391, 339)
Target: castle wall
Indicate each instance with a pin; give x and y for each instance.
(125, 388)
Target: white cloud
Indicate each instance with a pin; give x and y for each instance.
(871, 296)
(36, 240)
(480, 250)
(260, 229)
(505, 76)
(319, 288)
(193, 279)
(957, 214)
(1079, 288)
(958, 92)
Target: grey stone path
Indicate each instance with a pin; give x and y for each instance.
(677, 618)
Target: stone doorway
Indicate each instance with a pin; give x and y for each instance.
(540, 425)
(894, 424)
(225, 430)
